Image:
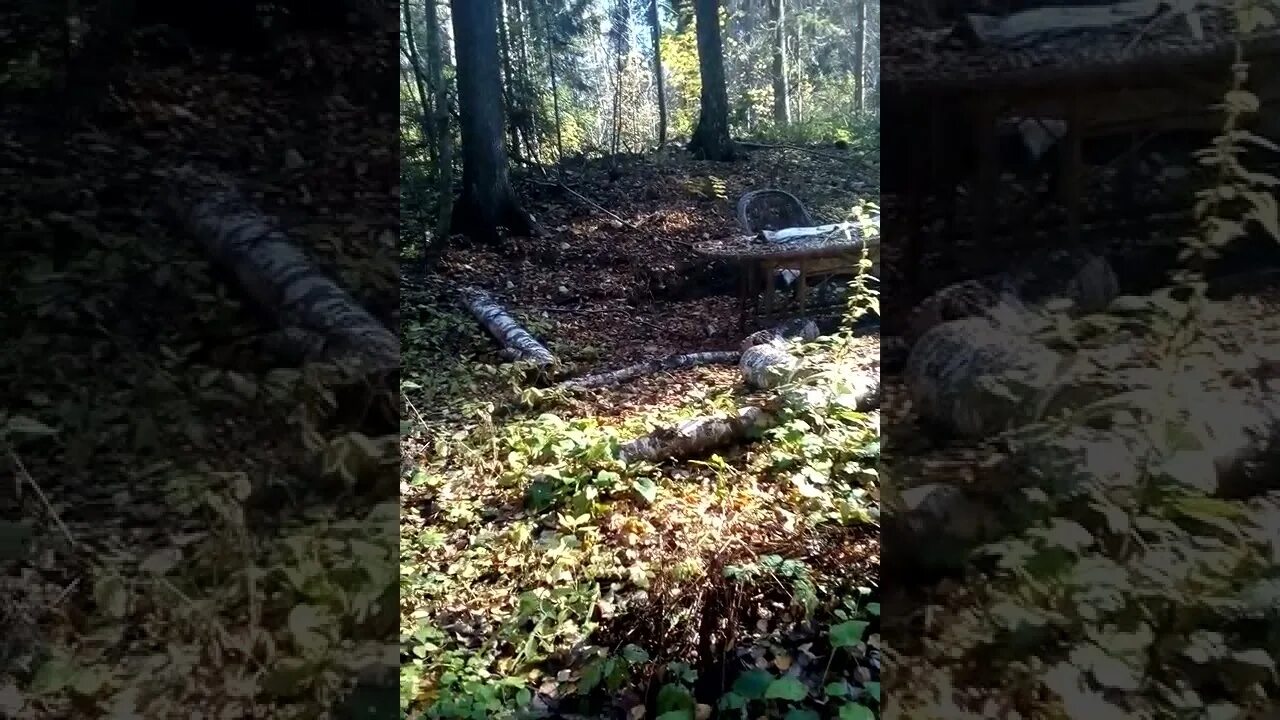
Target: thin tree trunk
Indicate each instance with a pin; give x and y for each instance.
(859, 56)
(781, 99)
(508, 77)
(620, 68)
(413, 74)
(415, 66)
(655, 31)
(524, 17)
(555, 89)
(444, 135)
(800, 66)
(487, 201)
(711, 137)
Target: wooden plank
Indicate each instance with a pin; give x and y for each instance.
(1027, 27)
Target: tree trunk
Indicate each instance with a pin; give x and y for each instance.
(524, 19)
(444, 136)
(555, 88)
(508, 78)
(711, 137)
(859, 56)
(781, 99)
(655, 30)
(514, 339)
(799, 68)
(487, 201)
(320, 320)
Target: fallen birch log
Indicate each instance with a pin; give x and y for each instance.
(667, 364)
(979, 375)
(701, 435)
(765, 361)
(515, 340)
(1238, 456)
(698, 436)
(766, 366)
(1027, 27)
(319, 320)
(1086, 279)
(803, 329)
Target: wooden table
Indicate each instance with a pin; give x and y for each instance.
(1098, 91)
(760, 263)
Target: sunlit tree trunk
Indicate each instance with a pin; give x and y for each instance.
(859, 55)
(524, 15)
(711, 137)
(655, 31)
(487, 200)
(440, 105)
(555, 87)
(508, 76)
(416, 71)
(781, 96)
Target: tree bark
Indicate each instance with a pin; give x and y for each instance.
(781, 94)
(487, 201)
(504, 328)
(655, 31)
(711, 137)
(555, 88)
(859, 56)
(508, 78)
(435, 69)
(324, 322)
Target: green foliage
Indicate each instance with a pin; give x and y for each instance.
(1141, 599)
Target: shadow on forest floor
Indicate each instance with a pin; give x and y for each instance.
(613, 588)
(168, 471)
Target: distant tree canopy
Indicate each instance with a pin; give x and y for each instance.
(584, 77)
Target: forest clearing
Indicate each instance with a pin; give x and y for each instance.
(746, 556)
(656, 511)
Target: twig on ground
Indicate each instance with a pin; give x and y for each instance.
(25, 475)
(649, 367)
(588, 201)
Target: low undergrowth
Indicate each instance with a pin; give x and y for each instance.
(539, 572)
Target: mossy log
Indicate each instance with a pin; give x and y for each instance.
(322, 320)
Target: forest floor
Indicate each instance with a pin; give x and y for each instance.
(165, 519)
(612, 590)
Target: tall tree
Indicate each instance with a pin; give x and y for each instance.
(555, 85)
(859, 55)
(655, 31)
(410, 51)
(711, 136)
(487, 201)
(508, 78)
(620, 39)
(781, 96)
(440, 106)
